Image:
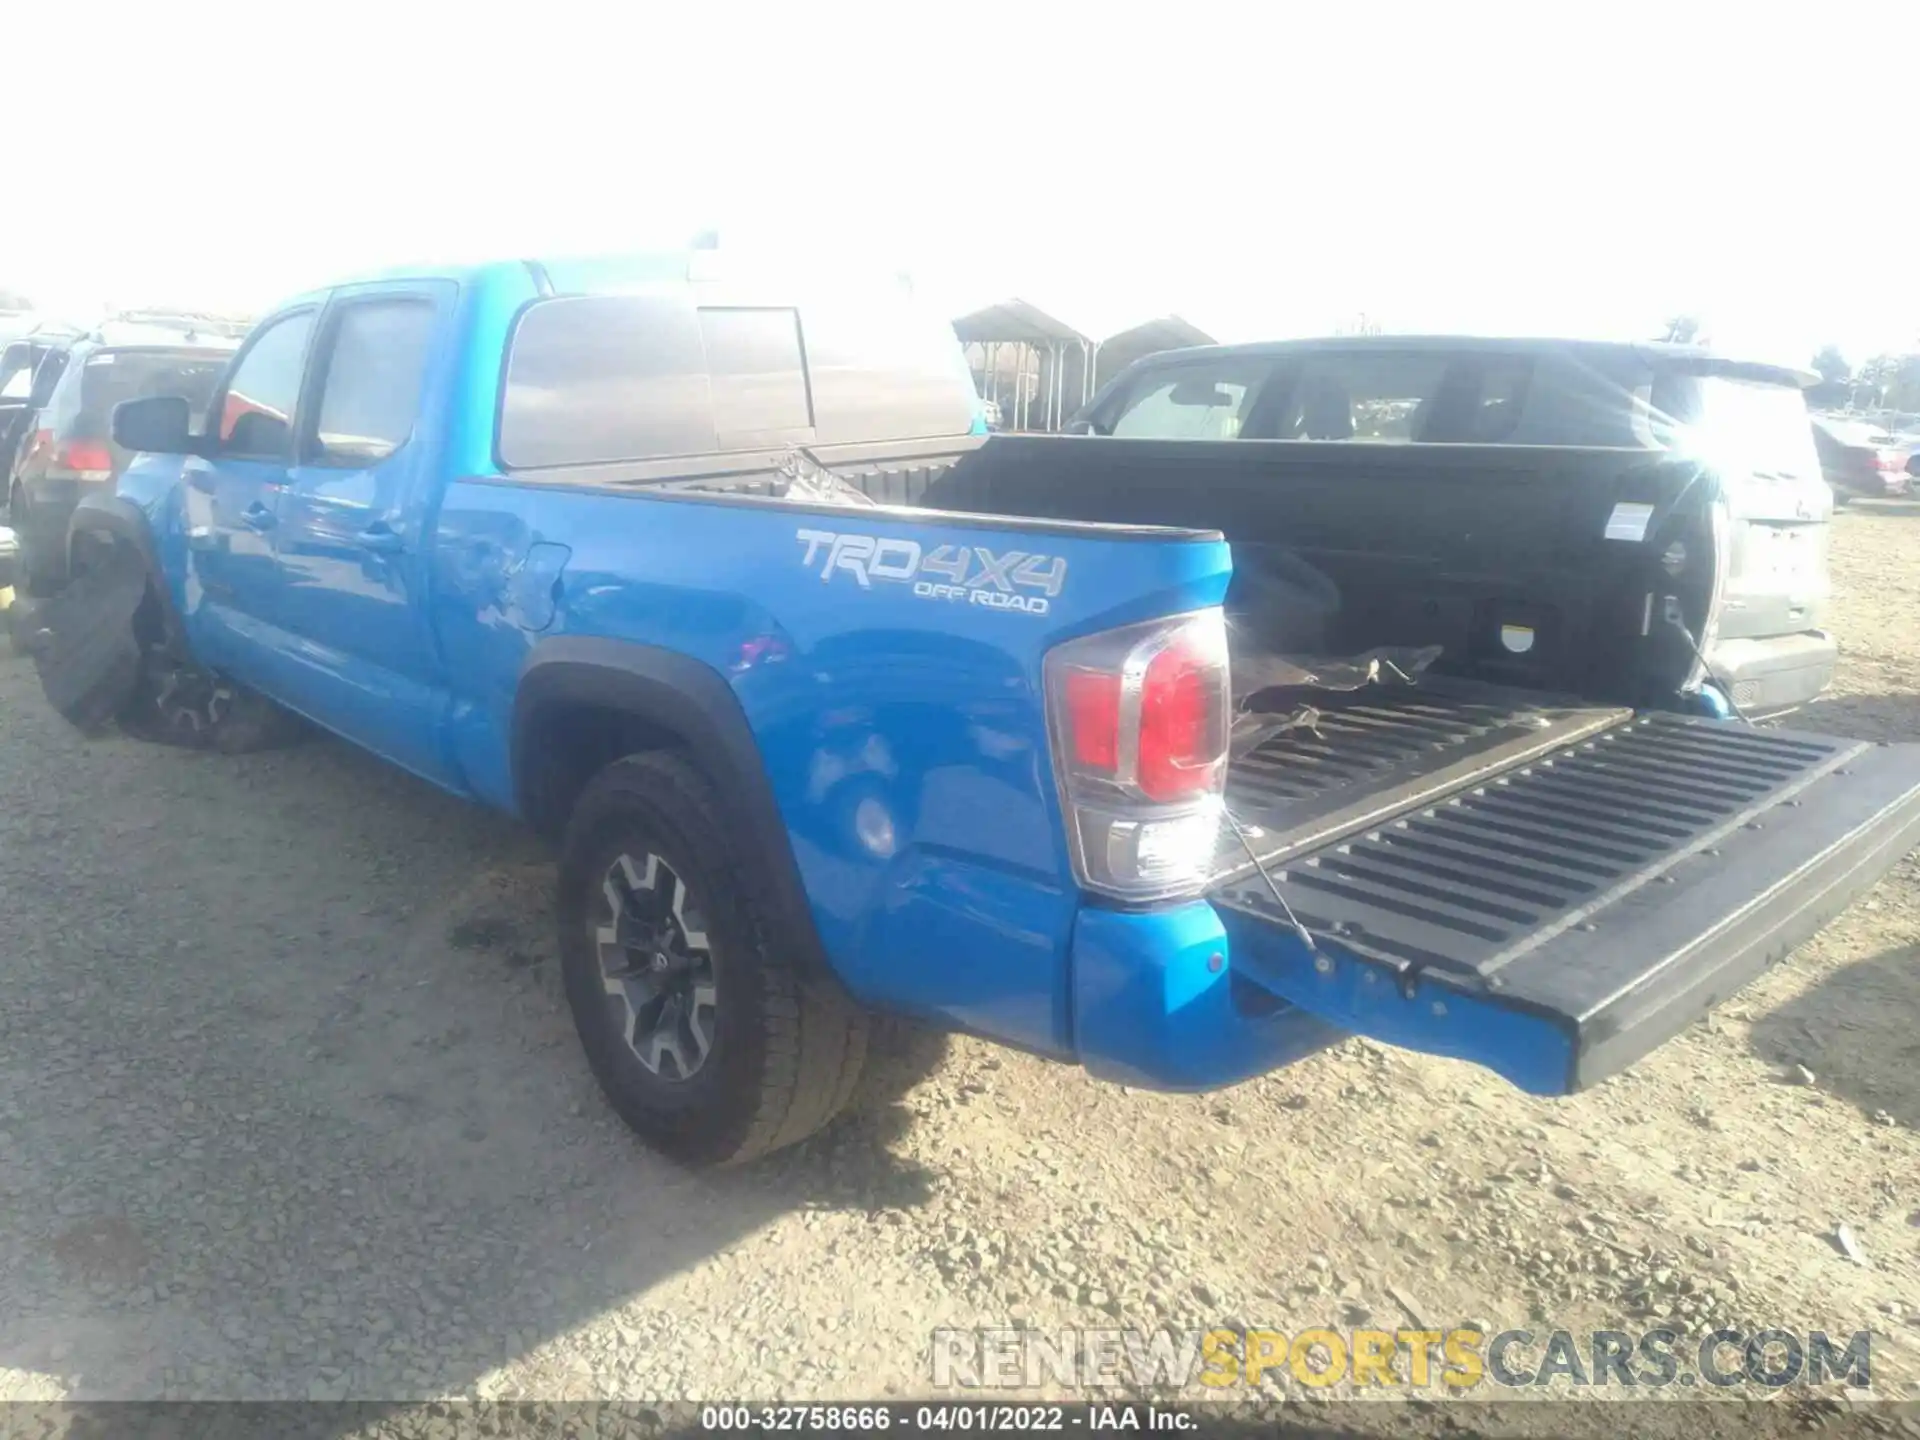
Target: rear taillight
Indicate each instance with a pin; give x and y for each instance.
(1891, 461)
(1140, 719)
(82, 459)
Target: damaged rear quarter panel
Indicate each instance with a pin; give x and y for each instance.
(889, 666)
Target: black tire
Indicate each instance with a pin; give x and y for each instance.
(177, 703)
(784, 1046)
(40, 577)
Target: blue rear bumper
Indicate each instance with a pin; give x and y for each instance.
(1155, 1004)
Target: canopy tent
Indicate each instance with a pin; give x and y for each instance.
(1018, 354)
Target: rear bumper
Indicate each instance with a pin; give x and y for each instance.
(1885, 482)
(1775, 673)
(1156, 1004)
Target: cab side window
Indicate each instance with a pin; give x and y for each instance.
(374, 370)
(256, 416)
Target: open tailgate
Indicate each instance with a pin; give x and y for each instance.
(1557, 921)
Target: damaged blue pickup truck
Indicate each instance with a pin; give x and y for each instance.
(1176, 750)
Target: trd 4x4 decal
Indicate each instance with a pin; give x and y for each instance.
(968, 574)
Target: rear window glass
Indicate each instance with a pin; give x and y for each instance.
(758, 374)
(882, 366)
(1736, 424)
(83, 404)
(607, 378)
(600, 378)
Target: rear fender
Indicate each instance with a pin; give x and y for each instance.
(672, 701)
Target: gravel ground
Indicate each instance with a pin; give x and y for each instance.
(290, 1107)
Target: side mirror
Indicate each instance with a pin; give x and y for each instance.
(159, 425)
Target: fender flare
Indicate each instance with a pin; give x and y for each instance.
(691, 704)
(127, 522)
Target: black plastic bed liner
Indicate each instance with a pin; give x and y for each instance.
(1374, 753)
(1617, 886)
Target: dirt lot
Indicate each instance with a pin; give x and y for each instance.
(290, 1106)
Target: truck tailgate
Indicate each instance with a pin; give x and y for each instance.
(1557, 921)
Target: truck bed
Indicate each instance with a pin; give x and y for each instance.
(1372, 754)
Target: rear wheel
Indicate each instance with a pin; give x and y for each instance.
(707, 1035)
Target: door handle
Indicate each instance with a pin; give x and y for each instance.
(381, 539)
(257, 517)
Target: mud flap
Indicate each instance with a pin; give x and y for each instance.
(1558, 921)
(84, 644)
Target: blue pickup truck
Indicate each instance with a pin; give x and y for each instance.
(1174, 758)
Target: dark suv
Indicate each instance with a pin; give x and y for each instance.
(1759, 561)
(69, 450)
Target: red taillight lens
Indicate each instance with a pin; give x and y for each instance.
(1888, 460)
(1093, 721)
(1139, 724)
(92, 455)
(1182, 724)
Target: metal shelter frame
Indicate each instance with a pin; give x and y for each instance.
(1040, 345)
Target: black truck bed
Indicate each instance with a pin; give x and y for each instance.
(1373, 753)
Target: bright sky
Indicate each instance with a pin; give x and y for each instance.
(1263, 169)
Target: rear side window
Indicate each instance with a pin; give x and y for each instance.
(29, 372)
(82, 407)
(374, 370)
(1360, 397)
(1205, 405)
(256, 417)
(1374, 397)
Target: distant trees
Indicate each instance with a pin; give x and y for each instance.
(1684, 330)
(1830, 365)
(14, 300)
(1897, 378)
